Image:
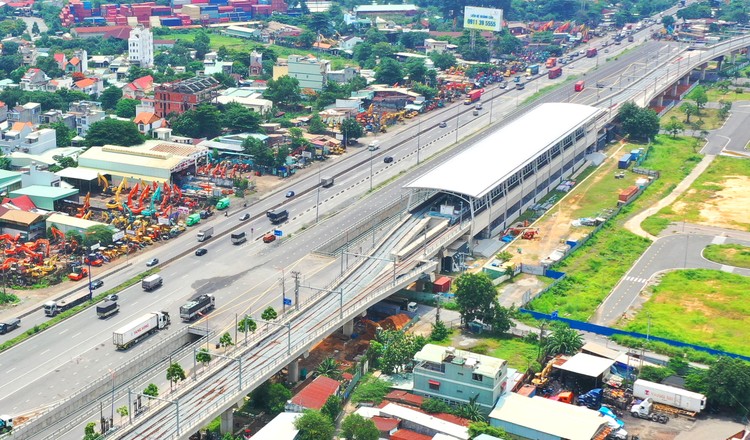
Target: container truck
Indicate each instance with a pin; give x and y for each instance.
(645, 410)
(667, 395)
(106, 309)
(53, 307)
(147, 324)
(197, 306)
(532, 70)
(551, 62)
(152, 282)
(277, 216)
(326, 182)
(238, 237)
(554, 73)
(205, 234)
(591, 53)
(473, 96)
(9, 325)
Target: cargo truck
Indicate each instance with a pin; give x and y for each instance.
(152, 282)
(222, 204)
(326, 182)
(551, 62)
(532, 70)
(6, 423)
(133, 332)
(106, 309)
(52, 308)
(9, 325)
(205, 234)
(238, 237)
(591, 53)
(554, 73)
(197, 306)
(277, 216)
(667, 395)
(645, 410)
(473, 96)
(403, 302)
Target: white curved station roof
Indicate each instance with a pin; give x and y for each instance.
(479, 169)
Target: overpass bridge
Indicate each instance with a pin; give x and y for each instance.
(373, 277)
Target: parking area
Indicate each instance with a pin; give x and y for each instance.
(681, 428)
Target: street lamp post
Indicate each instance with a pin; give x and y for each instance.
(317, 198)
(288, 327)
(419, 136)
(370, 170)
(390, 260)
(458, 119)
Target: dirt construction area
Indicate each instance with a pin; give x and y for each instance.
(680, 428)
(726, 208)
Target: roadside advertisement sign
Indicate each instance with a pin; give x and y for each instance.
(483, 19)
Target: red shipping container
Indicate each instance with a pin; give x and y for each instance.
(224, 20)
(199, 2)
(628, 193)
(442, 285)
(226, 8)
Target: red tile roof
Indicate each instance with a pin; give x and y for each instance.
(75, 61)
(59, 57)
(21, 202)
(142, 83)
(442, 416)
(145, 118)
(314, 395)
(119, 32)
(85, 83)
(401, 396)
(405, 434)
(385, 424)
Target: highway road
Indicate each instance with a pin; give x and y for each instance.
(59, 360)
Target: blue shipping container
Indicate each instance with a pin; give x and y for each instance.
(171, 21)
(624, 162)
(634, 154)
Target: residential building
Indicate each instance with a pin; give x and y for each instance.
(432, 45)
(54, 85)
(34, 176)
(85, 113)
(61, 59)
(213, 66)
(29, 112)
(309, 71)
(385, 11)
(314, 395)
(280, 427)
(256, 64)
(100, 61)
(89, 86)
(3, 111)
(29, 54)
(457, 376)
(422, 423)
(34, 79)
(139, 88)
(347, 43)
(141, 46)
(344, 75)
(181, 96)
(79, 62)
(248, 97)
(148, 122)
(21, 136)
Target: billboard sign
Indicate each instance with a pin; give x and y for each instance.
(483, 19)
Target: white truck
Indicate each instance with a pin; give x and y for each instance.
(676, 397)
(326, 182)
(205, 233)
(645, 410)
(196, 306)
(152, 282)
(147, 324)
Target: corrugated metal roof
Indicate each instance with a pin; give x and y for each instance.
(51, 192)
(280, 428)
(314, 395)
(74, 222)
(587, 365)
(477, 170)
(559, 419)
(427, 420)
(78, 173)
(22, 217)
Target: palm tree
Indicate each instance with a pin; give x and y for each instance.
(472, 410)
(329, 368)
(563, 340)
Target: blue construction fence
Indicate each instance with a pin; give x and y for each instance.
(609, 331)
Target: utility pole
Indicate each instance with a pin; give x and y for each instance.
(296, 275)
(283, 292)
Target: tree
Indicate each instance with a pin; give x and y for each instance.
(65, 161)
(351, 129)
(135, 72)
(113, 132)
(699, 96)
(393, 350)
(226, 341)
(727, 384)
(439, 331)
(262, 155)
(317, 126)
(203, 121)
(201, 44)
(125, 108)
(247, 325)
(471, 410)
(151, 390)
(98, 234)
(313, 425)
(389, 72)
(63, 134)
(655, 374)
(109, 97)
(329, 368)
(240, 119)
(175, 374)
(284, 92)
(435, 406)
(478, 428)
(123, 412)
(416, 70)
(332, 407)
(506, 43)
(667, 21)
(269, 314)
(673, 126)
(475, 294)
(639, 123)
(356, 427)
(89, 432)
(689, 109)
(428, 92)
(35, 29)
(203, 356)
(224, 79)
(306, 39)
(563, 340)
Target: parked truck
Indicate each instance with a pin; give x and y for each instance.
(326, 182)
(147, 324)
(238, 237)
(196, 306)
(645, 410)
(591, 52)
(9, 325)
(6, 423)
(403, 302)
(667, 395)
(53, 307)
(473, 96)
(152, 282)
(105, 309)
(205, 233)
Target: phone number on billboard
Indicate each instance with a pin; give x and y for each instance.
(475, 22)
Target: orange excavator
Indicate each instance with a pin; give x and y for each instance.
(84, 209)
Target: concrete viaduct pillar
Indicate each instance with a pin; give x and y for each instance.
(660, 100)
(227, 421)
(292, 371)
(703, 73)
(348, 328)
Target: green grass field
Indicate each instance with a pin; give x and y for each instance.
(715, 95)
(729, 254)
(700, 306)
(217, 40)
(519, 353)
(691, 206)
(709, 116)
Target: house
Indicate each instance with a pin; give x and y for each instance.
(148, 122)
(21, 136)
(347, 43)
(29, 54)
(432, 45)
(256, 64)
(308, 70)
(314, 395)
(34, 79)
(164, 44)
(79, 62)
(100, 61)
(54, 85)
(181, 96)
(89, 86)
(85, 114)
(3, 111)
(29, 112)
(247, 97)
(457, 376)
(139, 88)
(343, 75)
(280, 428)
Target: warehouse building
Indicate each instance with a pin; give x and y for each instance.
(49, 198)
(67, 223)
(494, 181)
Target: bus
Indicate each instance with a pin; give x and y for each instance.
(277, 216)
(579, 86)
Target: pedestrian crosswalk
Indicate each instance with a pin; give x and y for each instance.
(636, 280)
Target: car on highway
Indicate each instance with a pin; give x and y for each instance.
(112, 297)
(269, 238)
(442, 124)
(289, 194)
(387, 159)
(200, 252)
(503, 85)
(152, 262)
(96, 284)
(245, 217)
(600, 84)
